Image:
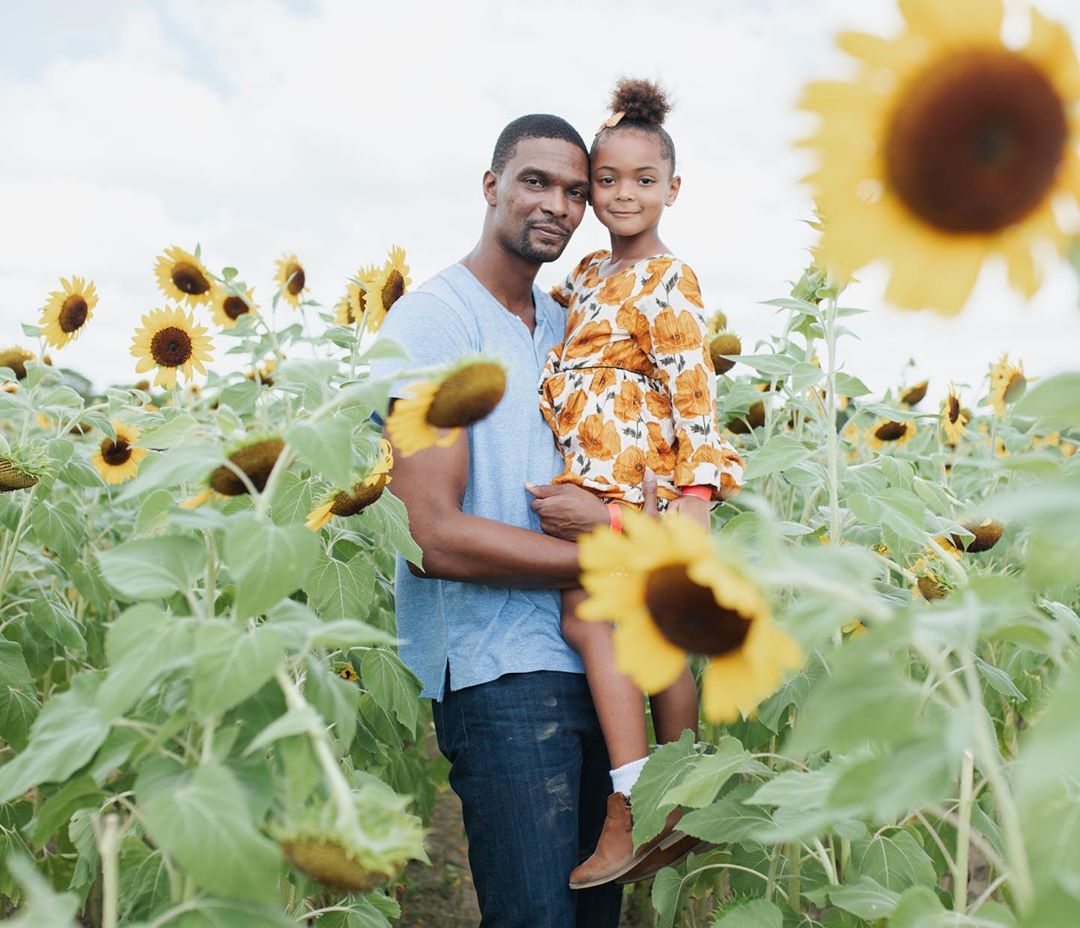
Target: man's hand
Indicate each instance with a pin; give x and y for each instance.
(567, 510)
(692, 507)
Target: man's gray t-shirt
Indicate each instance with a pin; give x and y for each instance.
(483, 631)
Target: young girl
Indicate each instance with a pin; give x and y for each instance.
(632, 387)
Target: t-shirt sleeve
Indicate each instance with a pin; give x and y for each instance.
(429, 331)
(679, 349)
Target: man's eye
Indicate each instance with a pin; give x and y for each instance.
(577, 194)
(533, 181)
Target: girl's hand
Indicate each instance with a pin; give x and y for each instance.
(692, 507)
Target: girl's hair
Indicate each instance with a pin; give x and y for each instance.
(644, 105)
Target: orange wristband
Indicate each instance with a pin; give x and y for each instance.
(701, 491)
(615, 516)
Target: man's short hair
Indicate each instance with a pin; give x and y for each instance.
(533, 126)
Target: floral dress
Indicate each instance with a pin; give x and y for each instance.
(632, 384)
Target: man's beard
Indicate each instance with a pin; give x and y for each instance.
(524, 247)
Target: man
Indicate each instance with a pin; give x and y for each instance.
(481, 620)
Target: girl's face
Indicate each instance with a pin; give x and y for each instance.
(631, 182)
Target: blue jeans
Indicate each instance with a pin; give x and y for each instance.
(529, 763)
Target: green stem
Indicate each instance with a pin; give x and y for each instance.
(963, 833)
(794, 887)
(13, 543)
(108, 848)
(832, 440)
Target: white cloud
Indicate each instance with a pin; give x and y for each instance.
(338, 128)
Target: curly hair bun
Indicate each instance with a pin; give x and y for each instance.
(641, 101)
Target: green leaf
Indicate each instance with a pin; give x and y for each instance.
(1056, 400)
(666, 896)
(895, 859)
(293, 722)
(393, 685)
(665, 768)
(293, 501)
(202, 823)
(59, 528)
(728, 820)
(169, 433)
(865, 898)
(63, 738)
(190, 462)
(44, 908)
(144, 879)
(234, 913)
(143, 645)
(79, 793)
(326, 447)
(231, 665)
(267, 562)
(847, 385)
(337, 700)
(752, 913)
(341, 590)
(700, 785)
(388, 520)
(18, 695)
(999, 680)
(919, 907)
(769, 365)
(151, 568)
(55, 620)
(887, 785)
(777, 454)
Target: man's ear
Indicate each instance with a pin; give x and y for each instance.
(490, 183)
(673, 190)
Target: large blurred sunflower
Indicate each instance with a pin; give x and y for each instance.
(1007, 384)
(467, 393)
(67, 311)
(228, 307)
(170, 340)
(947, 147)
(118, 459)
(363, 493)
(668, 592)
(291, 279)
(183, 277)
(385, 287)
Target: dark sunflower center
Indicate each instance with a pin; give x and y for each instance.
(296, 280)
(890, 431)
(467, 396)
(16, 360)
(689, 616)
(256, 461)
(170, 346)
(362, 495)
(189, 279)
(393, 290)
(976, 141)
(234, 307)
(954, 409)
(115, 453)
(73, 313)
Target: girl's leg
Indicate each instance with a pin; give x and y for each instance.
(676, 709)
(618, 701)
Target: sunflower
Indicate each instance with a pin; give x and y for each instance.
(467, 393)
(256, 459)
(170, 341)
(117, 460)
(889, 432)
(954, 418)
(363, 493)
(14, 475)
(669, 593)
(721, 344)
(912, 396)
(67, 311)
(754, 419)
(385, 286)
(987, 533)
(16, 359)
(228, 307)
(1007, 384)
(717, 322)
(291, 279)
(264, 372)
(183, 277)
(946, 147)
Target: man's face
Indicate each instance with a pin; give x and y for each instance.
(539, 198)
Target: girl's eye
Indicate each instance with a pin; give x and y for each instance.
(647, 181)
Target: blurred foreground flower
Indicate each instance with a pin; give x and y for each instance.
(67, 311)
(363, 493)
(669, 594)
(467, 393)
(947, 147)
(170, 340)
(183, 277)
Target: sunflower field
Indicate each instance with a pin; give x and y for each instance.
(204, 722)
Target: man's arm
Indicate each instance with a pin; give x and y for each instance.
(459, 546)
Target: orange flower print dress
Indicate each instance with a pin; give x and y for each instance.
(632, 384)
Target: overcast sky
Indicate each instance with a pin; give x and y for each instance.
(334, 129)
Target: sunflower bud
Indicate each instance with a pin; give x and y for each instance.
(724, 343)
(255, 460)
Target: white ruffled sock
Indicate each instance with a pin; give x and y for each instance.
(623, 778)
